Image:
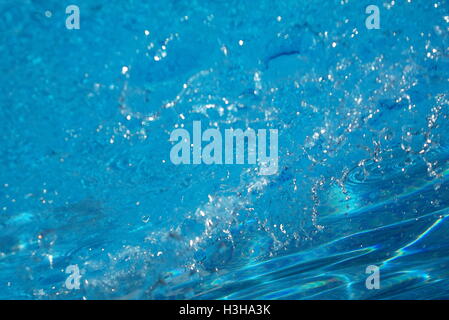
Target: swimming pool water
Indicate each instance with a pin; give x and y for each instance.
(86, 177)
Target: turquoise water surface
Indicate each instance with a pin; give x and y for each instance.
(86, 178)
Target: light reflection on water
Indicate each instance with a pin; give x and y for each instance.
(363, 131)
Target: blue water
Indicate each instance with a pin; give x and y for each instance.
(86, 178)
